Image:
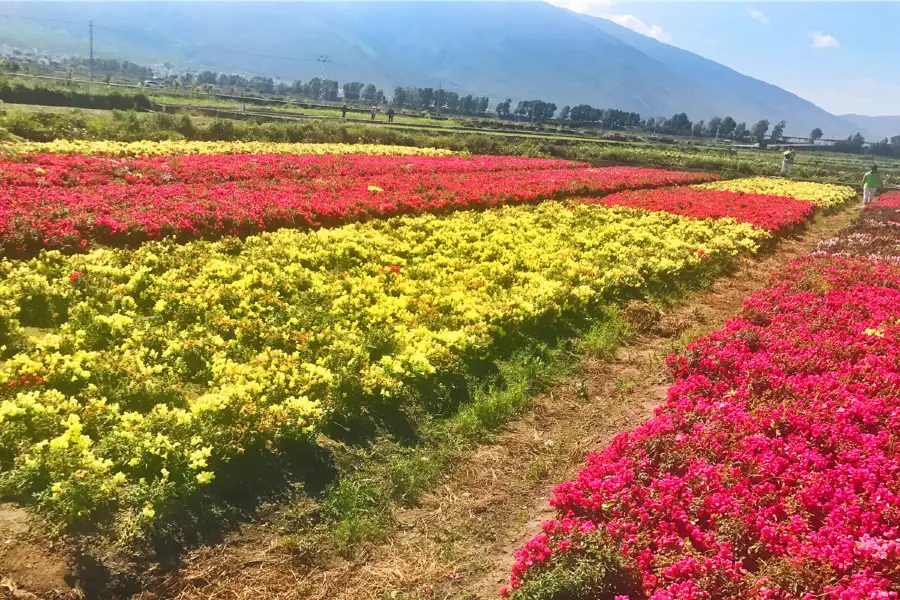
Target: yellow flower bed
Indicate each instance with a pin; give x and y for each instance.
(825, 195)
(131, 377)
(145, 148)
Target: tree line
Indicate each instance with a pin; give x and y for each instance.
(449, 102)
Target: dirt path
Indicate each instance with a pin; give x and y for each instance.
(458, 544)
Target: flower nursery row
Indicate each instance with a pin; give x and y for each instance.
(32, 217)
(822, 194)
(170, 148)
(875, 234)
(48, 170)
(776, 214)
(773, 469)
(133, 377)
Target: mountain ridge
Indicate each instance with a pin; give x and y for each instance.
(884, 126)
(520, 50)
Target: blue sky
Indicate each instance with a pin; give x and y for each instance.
(844, 56)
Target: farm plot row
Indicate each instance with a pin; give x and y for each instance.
(179, 148)
(68, 202)
(773, 470)
(133, 378)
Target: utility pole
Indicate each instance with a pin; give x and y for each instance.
(323, 60)
(91, 60)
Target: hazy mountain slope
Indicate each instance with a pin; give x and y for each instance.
(499, 49)
(729, 92)
(880, 127)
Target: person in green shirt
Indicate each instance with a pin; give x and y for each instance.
(871, 183)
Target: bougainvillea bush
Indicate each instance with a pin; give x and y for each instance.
(772, 470)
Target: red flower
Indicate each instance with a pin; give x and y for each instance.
(82, 199)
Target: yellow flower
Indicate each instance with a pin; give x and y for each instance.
(263, 336)
(821, 194)
(168, 148)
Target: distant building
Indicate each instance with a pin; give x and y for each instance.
(153, 85)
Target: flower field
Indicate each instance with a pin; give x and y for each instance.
(139, 369)
(281, 328)
(67, 202)
(823, 194)
(177, 148)
(757, 209)
(772, 470)
(876, 234)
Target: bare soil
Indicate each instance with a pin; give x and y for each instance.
(458, 543)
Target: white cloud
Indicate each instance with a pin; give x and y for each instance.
(759, 16)
(595, 8)
(633, 23)
(601, 8)
(820, 40)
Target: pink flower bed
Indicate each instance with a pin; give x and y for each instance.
(773, 469)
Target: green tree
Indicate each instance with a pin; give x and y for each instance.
(882, 148)
(368, 93)
(713, 127)
(399, 98)
(585, 113)
(815, 134)
(207, 77)
(698, 129)
(451, 100)
(758, 131)
(778, 131)
(427, 96)
(740, 131)
(727, 127)
(503, 108)
(565, 112)
(353, 90)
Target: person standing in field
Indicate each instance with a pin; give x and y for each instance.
(787, 163)
(871, 183)
(344, 110)
(390, 114)
(374, 109)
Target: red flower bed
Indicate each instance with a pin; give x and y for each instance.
(75, 170)
(773, 469)
(774, 213)
(889, 200)
(270, 191)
